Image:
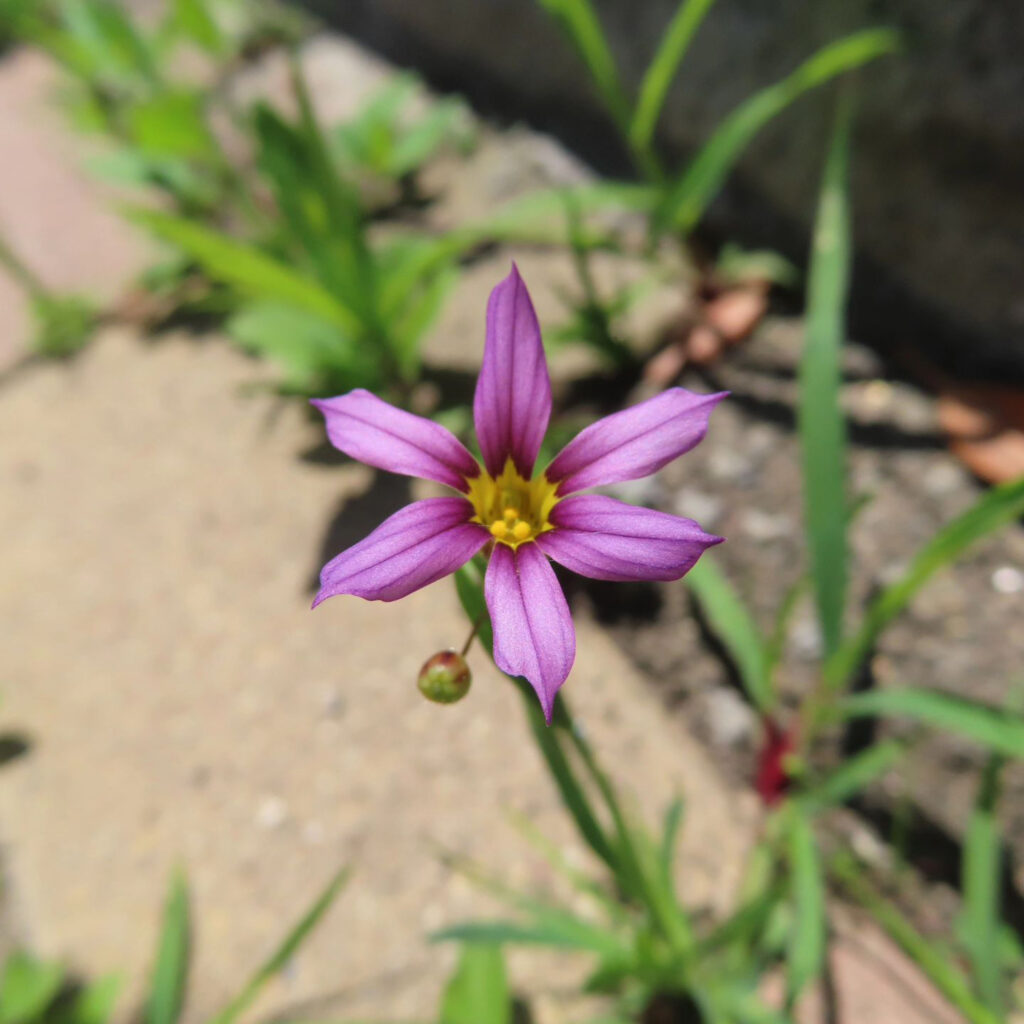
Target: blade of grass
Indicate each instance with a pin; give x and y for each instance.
(477, 993)
(560, 935)
(1000, 730)
(285, 951)
(996, 508)
(662, 70)
(852, 776)
(981, 880)
(820, 418)
(686, 201)
(579, 22)
(806, 956)
(170, 972)
(246, 267)
(946, 977)
(733, 625)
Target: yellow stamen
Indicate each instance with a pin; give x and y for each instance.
(513, 509)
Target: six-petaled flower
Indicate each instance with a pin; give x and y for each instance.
(524, 518)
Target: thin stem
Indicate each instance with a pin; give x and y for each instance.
(472, 635)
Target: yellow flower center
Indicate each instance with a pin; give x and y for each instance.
(514, 509)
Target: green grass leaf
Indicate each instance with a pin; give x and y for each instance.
(94, 1004)
(555, 931)
(278, 960)
(806, 955)
(478, 992)
(852, 776)
(999, 730)
(579, 22)
(27, 988)
(246, 267)
(732, 623)
(170, 971)
(944, 974)
(662, 69)
(313, 353)
(995, 509)
(195, 21)
(820, 418)
(981, 882)
(686, 201)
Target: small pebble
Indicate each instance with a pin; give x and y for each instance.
(943, 478)
(729, 720)
(766, 526)
(705, 508)
(1008, 580)
(729, 465)
(272, 813)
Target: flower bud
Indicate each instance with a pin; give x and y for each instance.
(445, 678)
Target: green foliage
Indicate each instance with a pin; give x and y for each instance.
(997, 729)
(808, 938)
(734, 626)
(170, 971)
(981, 884)
(687, 198)
(643, 941)
(820, 419)
(387, 141)
(27, 988)
(477, 992)
(662, 69)
(995, 509)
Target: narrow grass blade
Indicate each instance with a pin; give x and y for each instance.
(981, 881)
(995, 509)
(852, 776)
(733, 625)
(1001, 731)
(170, 972)
(662, 70)
(93, 1005)
(820, 418)
(478, 992)
(285, 951)
(806, 956)
(946, 977)
(552, 933)
(246, 267)
(686, 201)
(27, 988)
(579, 22)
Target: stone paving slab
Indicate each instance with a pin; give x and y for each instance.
(56, 216)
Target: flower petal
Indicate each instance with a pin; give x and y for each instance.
(533, 631)
(416, 546)
(367, 428)
(512, 404)
(607, 539)
(635, 442)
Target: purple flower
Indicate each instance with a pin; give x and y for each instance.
(525, 518)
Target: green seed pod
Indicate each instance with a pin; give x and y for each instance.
(445, 678)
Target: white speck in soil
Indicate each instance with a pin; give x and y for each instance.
(272, 813)
(1008, 580)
